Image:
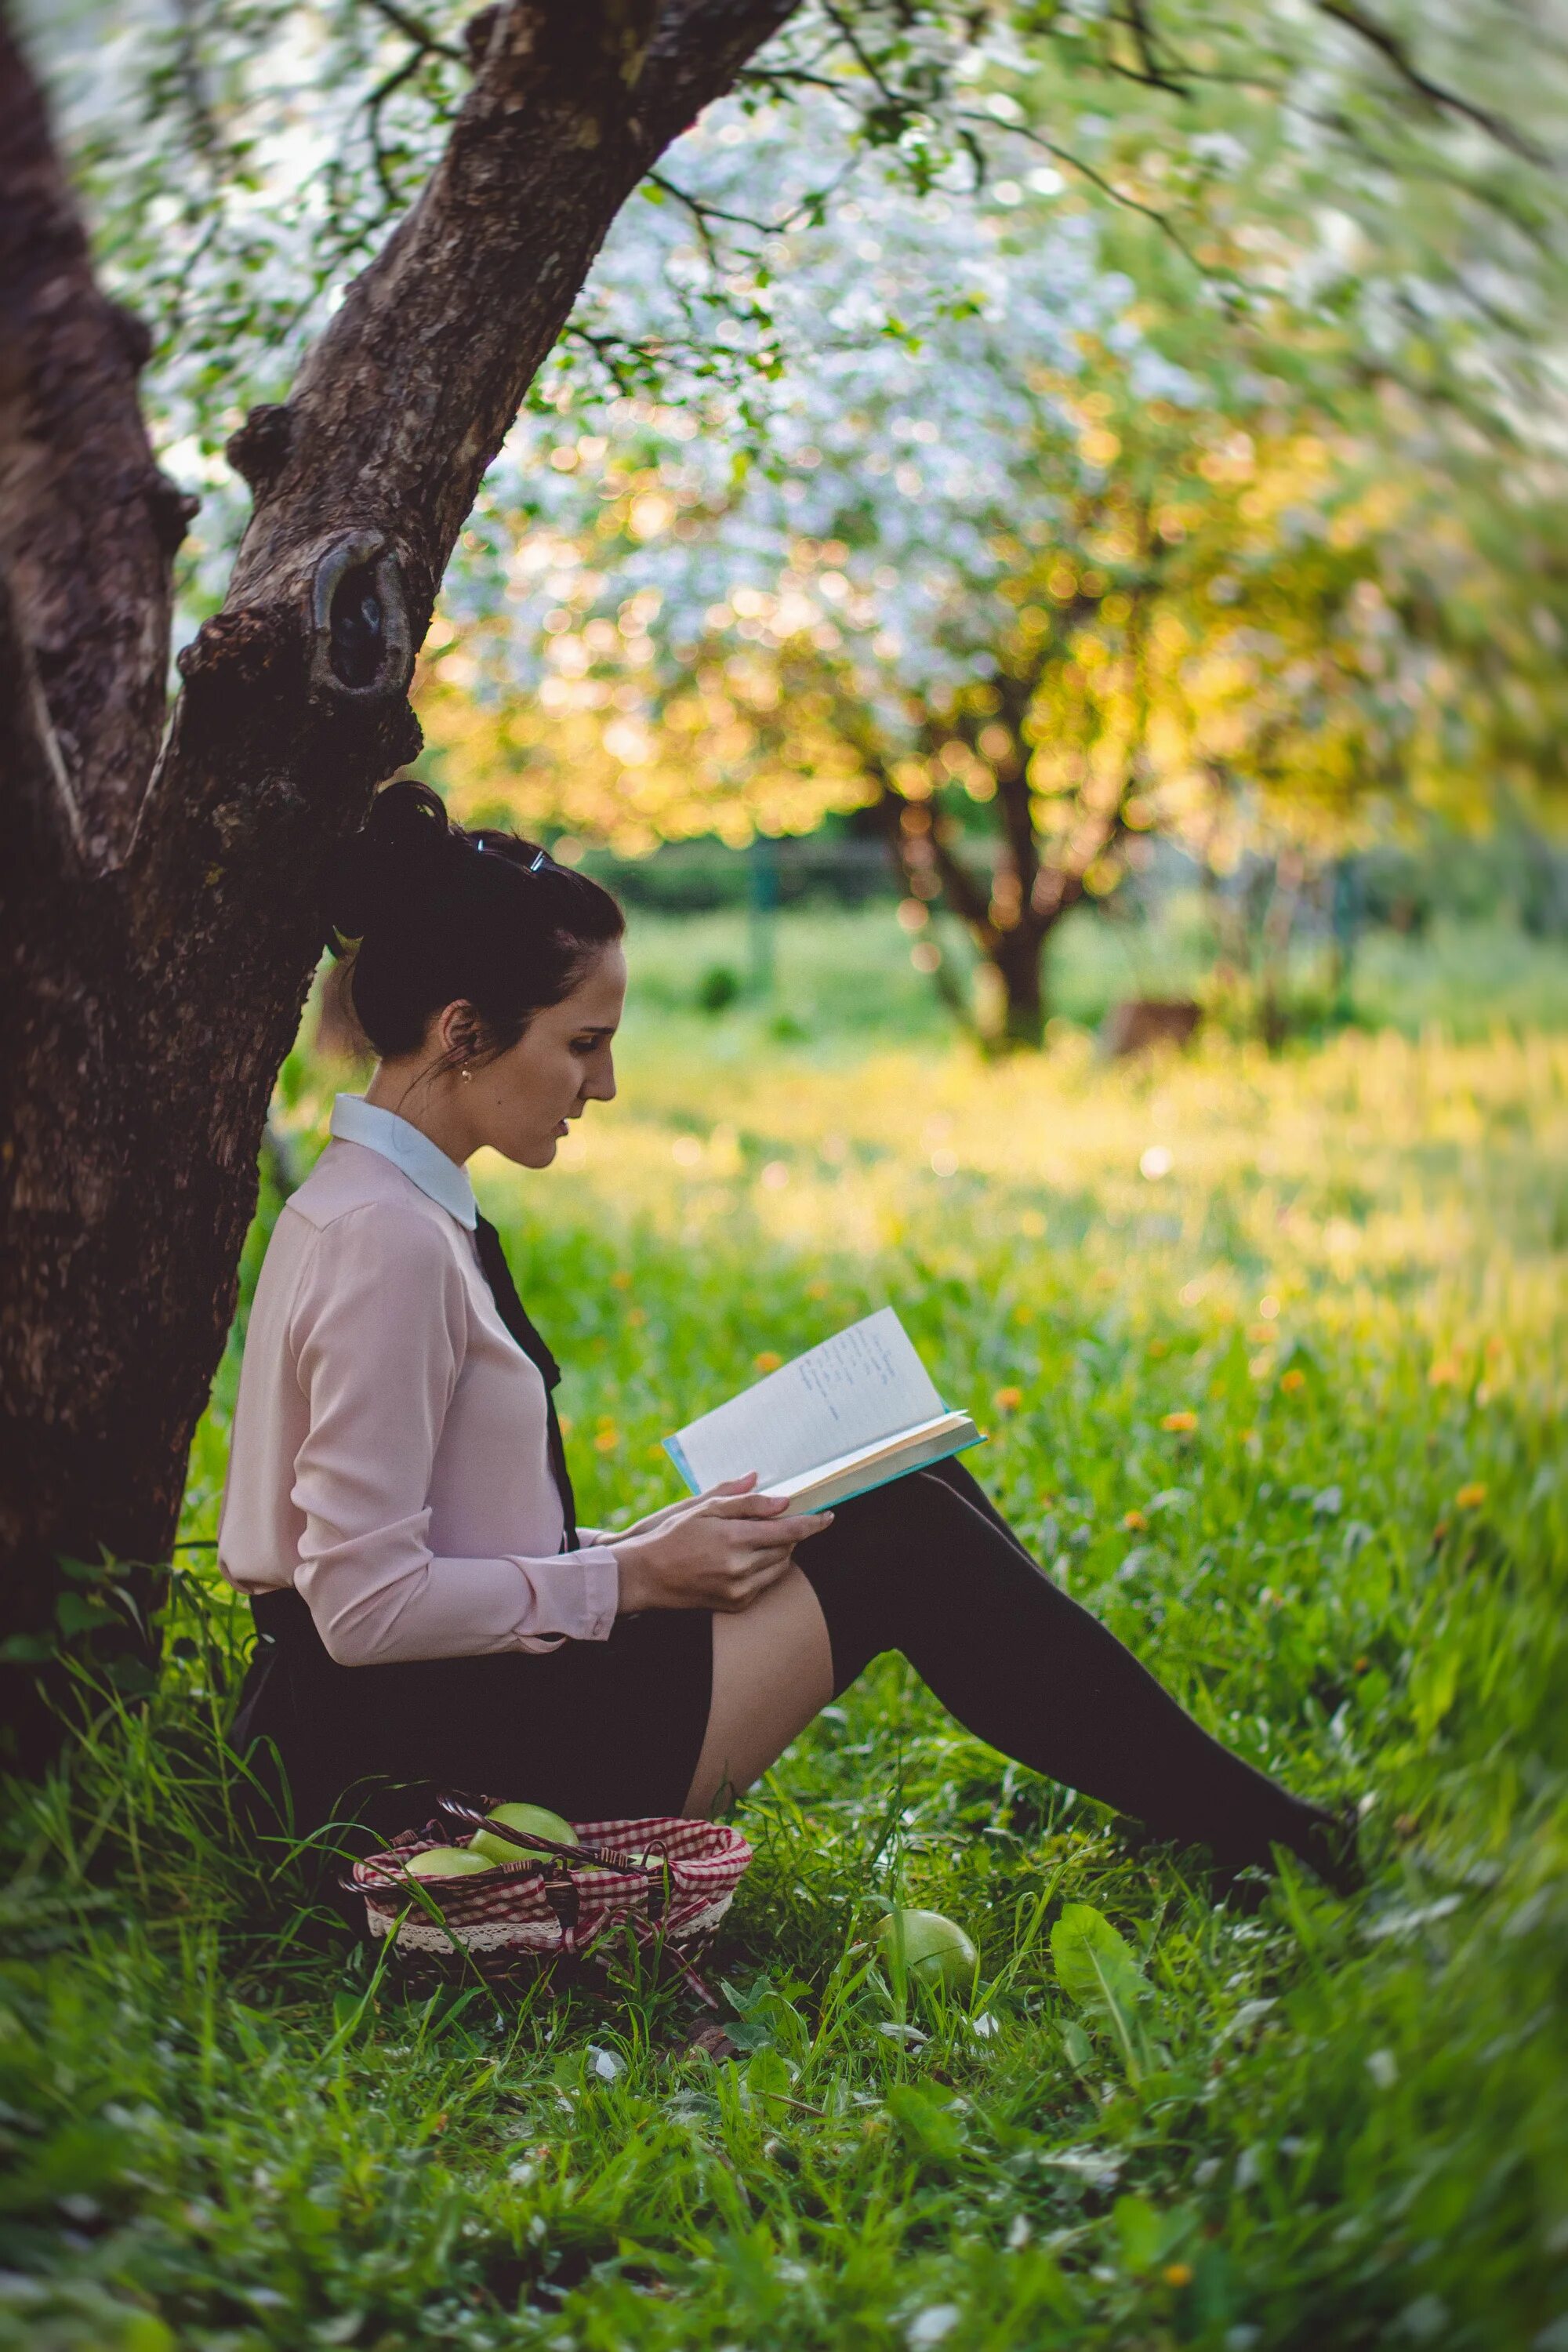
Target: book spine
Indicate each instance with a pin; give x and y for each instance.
(673, 1447)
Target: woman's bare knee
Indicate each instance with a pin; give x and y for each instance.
(772, 1672)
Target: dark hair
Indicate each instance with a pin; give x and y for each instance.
(432, 913)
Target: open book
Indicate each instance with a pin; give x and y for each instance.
(840, 1420)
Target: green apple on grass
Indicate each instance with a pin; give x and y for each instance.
(536, 1821)
(933, 1947)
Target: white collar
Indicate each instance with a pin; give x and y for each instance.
(424, 1163)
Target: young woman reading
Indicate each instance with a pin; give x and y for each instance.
(398, 1504)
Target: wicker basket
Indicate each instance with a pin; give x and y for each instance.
(666, 1881)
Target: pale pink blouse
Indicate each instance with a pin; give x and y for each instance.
(388, 1456)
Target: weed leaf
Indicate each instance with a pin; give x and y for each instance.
(1096, 1970)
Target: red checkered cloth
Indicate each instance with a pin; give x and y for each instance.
(531, 1907)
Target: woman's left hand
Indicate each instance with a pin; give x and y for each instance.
(687, 1503)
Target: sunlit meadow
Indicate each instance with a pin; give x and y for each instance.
(1270, 1355)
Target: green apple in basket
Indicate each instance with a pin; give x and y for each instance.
(535, 1821)
(447, 1862)
(934, 1948)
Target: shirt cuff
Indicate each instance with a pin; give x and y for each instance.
(575, 1595)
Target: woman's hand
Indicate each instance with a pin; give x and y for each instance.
(668, 1511)
(717, 1552)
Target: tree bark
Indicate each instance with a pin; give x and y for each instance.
(162, 921)
(1018, 959)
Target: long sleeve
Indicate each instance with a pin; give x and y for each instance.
(378, 1332)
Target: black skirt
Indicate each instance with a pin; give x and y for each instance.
(593, 1730)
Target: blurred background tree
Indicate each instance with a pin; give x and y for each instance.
(1240, 323)
(1066, 519)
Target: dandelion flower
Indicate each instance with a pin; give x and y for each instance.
(1444, 1373)
(1180, 1421)
(606, 1441)
(1134, 1522)
(767, 1361)
(1470, 1497)
(1293, 1380)
(1007, 1400)
(1178, 2274)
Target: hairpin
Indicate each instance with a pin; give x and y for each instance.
(536, 864)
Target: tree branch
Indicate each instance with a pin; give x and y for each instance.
(1154, 72)
(1392, 48)
(363, 481)
(916, 855)
(425, 42)
(88, 526)
(408, 394)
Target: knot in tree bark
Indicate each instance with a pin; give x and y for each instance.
(237, 650)
(257, 448)
(361, 643)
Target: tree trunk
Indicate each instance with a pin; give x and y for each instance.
(161, 927)
(1017, 957)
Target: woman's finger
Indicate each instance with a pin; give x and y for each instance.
(729, 1487)
(750, 1537)
(796, 1529)
(750, 1549)
(766, 1576)
(756, 1581)
(747, 1507)
(758, 1562)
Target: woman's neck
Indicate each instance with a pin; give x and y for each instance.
(410, 1091)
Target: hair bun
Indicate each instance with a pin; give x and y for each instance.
(393, 866)
(431, 915)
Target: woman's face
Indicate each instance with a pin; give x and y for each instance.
(519, 1103)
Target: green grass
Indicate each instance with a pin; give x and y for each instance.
(1299, 2122)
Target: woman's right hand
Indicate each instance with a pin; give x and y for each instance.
(719, 1553)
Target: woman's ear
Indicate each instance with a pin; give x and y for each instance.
(458, 1032)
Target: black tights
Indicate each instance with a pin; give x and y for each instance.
(928, 1566)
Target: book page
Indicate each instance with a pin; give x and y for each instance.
(876, 1466)
(863, 1384)
(953, 1427)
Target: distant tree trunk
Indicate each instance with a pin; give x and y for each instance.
(1346, 915)
(1019, 956)
(1011, 912)
(162, 905)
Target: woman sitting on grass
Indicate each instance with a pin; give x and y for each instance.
(398, 1504)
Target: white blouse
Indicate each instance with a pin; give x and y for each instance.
(389, 1454)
